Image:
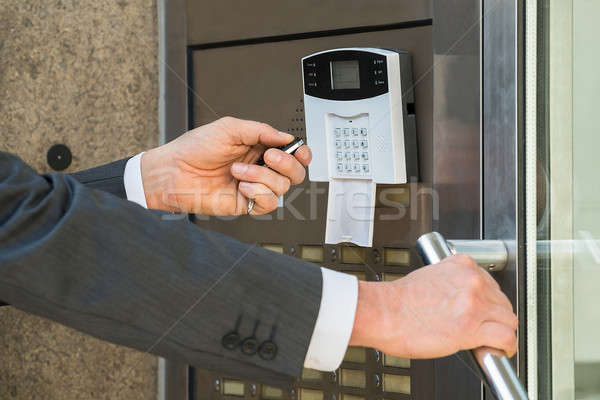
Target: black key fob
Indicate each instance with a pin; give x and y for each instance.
(289, 148)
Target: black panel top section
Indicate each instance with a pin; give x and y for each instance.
(345, 75)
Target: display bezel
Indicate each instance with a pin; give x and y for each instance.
(317, 75)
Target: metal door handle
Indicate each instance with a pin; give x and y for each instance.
(498, 372)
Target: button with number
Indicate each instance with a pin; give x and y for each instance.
(348, 167)
(346, 132)
(356, 156)
(340, 167)
(347, 155)
(364, 144)
(356, 167)
(338, 155)
(365, 167)
(338, 144)
(347, 144)
(365, 156)
(354, 131)
(363, 131)
(338, 132)
(355, 143)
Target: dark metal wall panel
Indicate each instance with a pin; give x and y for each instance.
(259, 82)
(456, 151)
(263, 82)
(224, 20)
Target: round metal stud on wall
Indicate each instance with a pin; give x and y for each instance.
(59, 157)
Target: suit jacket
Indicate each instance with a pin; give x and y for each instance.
(108, 267)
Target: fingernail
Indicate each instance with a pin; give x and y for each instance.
(244, 186)
(239, 168)
(275, 156)
(289, 136)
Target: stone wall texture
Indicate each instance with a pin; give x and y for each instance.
(82, 73)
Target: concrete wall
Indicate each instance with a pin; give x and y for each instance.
(83, 73)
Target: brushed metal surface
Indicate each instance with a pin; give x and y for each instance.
(491, 255)
(502, 190)
(456, 151)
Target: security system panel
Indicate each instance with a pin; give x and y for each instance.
(358, 123)
(360, 131)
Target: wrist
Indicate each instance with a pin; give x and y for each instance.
(153, 180)
(369, 310)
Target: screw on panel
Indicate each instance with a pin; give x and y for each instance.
(376, 256)
(217, 385)
(333, 254)
(378, 277)
(333, 376)
(377, 380)
(252, 388)
(292, 251)
(377, 355)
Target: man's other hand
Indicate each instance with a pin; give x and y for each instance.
(435, 311)
(211, 170)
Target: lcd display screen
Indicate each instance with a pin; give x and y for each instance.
(345, 75)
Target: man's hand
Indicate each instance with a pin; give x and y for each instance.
(435, 311)
(210, 170)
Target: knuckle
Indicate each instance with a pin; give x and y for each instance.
(476, 282)
(264, 127)
(285, 185)
(466, 261)
(227, 120)
(515, 322)
(508, 339)
(300, 178)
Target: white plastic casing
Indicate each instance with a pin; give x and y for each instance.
(382, 115)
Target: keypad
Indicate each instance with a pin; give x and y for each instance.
(351, 151)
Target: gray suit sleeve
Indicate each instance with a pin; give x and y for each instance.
(109, 268)
(108, 178)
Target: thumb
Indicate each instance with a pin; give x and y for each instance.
(250, 133)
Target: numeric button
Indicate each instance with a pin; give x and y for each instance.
(363, 131)
(338, 132)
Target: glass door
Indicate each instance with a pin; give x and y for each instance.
(565, 313)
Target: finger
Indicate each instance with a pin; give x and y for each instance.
(277, 183)
(304, 155)
(497, 336)
(250, 133)
(496, 296)
(286, 164)
(502, 315)
(265, 200)
(489, 279)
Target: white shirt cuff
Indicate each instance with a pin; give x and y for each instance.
(335, 321)
(132, 180)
